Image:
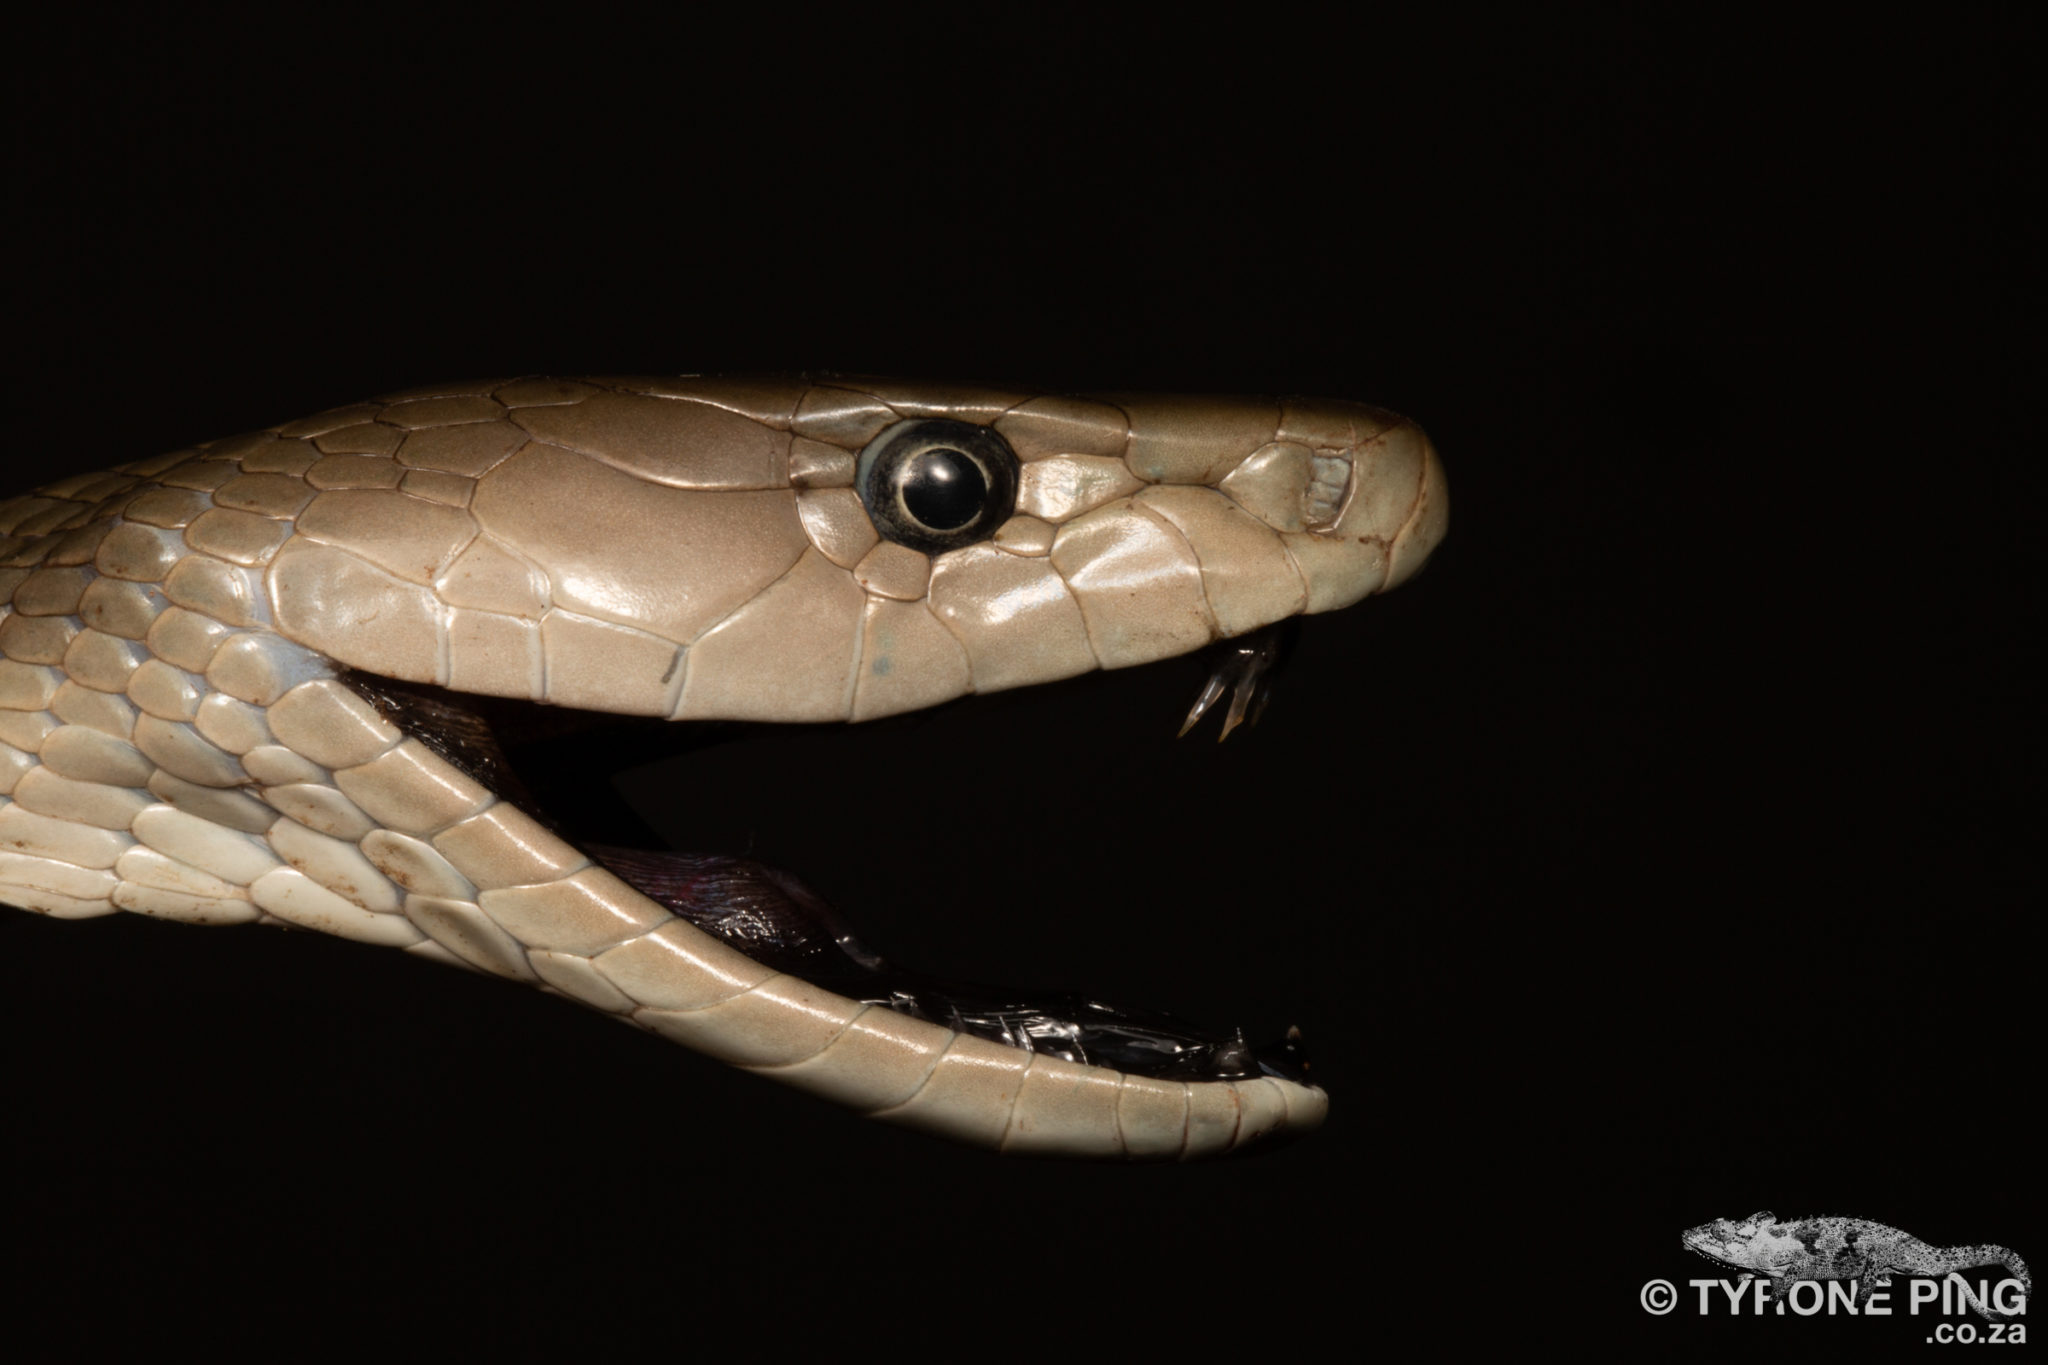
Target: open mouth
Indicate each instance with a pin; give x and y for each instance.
(207, 652)
(557, 762)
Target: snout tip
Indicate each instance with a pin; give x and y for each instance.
(1427, 522)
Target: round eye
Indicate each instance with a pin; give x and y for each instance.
(935, 485)
(942, 488)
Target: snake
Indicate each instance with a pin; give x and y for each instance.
(284, 678)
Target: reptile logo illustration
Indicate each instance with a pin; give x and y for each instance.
(1790, 1250)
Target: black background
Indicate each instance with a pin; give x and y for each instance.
(1667, 851)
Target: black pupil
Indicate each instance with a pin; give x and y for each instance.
(944, 489)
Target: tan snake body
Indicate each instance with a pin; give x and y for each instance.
(179, 736)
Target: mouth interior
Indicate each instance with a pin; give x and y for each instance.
(773, 917)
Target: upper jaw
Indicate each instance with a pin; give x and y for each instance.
(1217, 545)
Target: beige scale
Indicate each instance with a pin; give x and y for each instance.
(236, 684)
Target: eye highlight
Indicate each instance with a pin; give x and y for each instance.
(934, 484)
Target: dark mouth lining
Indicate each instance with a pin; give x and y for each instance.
(773, 917)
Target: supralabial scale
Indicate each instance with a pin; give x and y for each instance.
(257, 680)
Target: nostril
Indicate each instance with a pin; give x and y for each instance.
(1329, 480)
(1291, 487)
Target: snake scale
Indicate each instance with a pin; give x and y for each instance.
(243, 682)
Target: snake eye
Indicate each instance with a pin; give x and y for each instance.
(935, 485)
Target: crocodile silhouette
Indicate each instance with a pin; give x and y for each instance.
(1794, 1249)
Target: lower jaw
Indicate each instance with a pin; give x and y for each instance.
(777, 921)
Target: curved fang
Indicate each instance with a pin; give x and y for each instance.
(1245, 666)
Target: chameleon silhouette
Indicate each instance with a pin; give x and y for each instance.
(1845, 1249)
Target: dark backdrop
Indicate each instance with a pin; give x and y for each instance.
(1665, 852)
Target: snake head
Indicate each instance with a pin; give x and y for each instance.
(707, 549)
(312, 618)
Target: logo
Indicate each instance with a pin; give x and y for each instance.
(1846, 1265)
